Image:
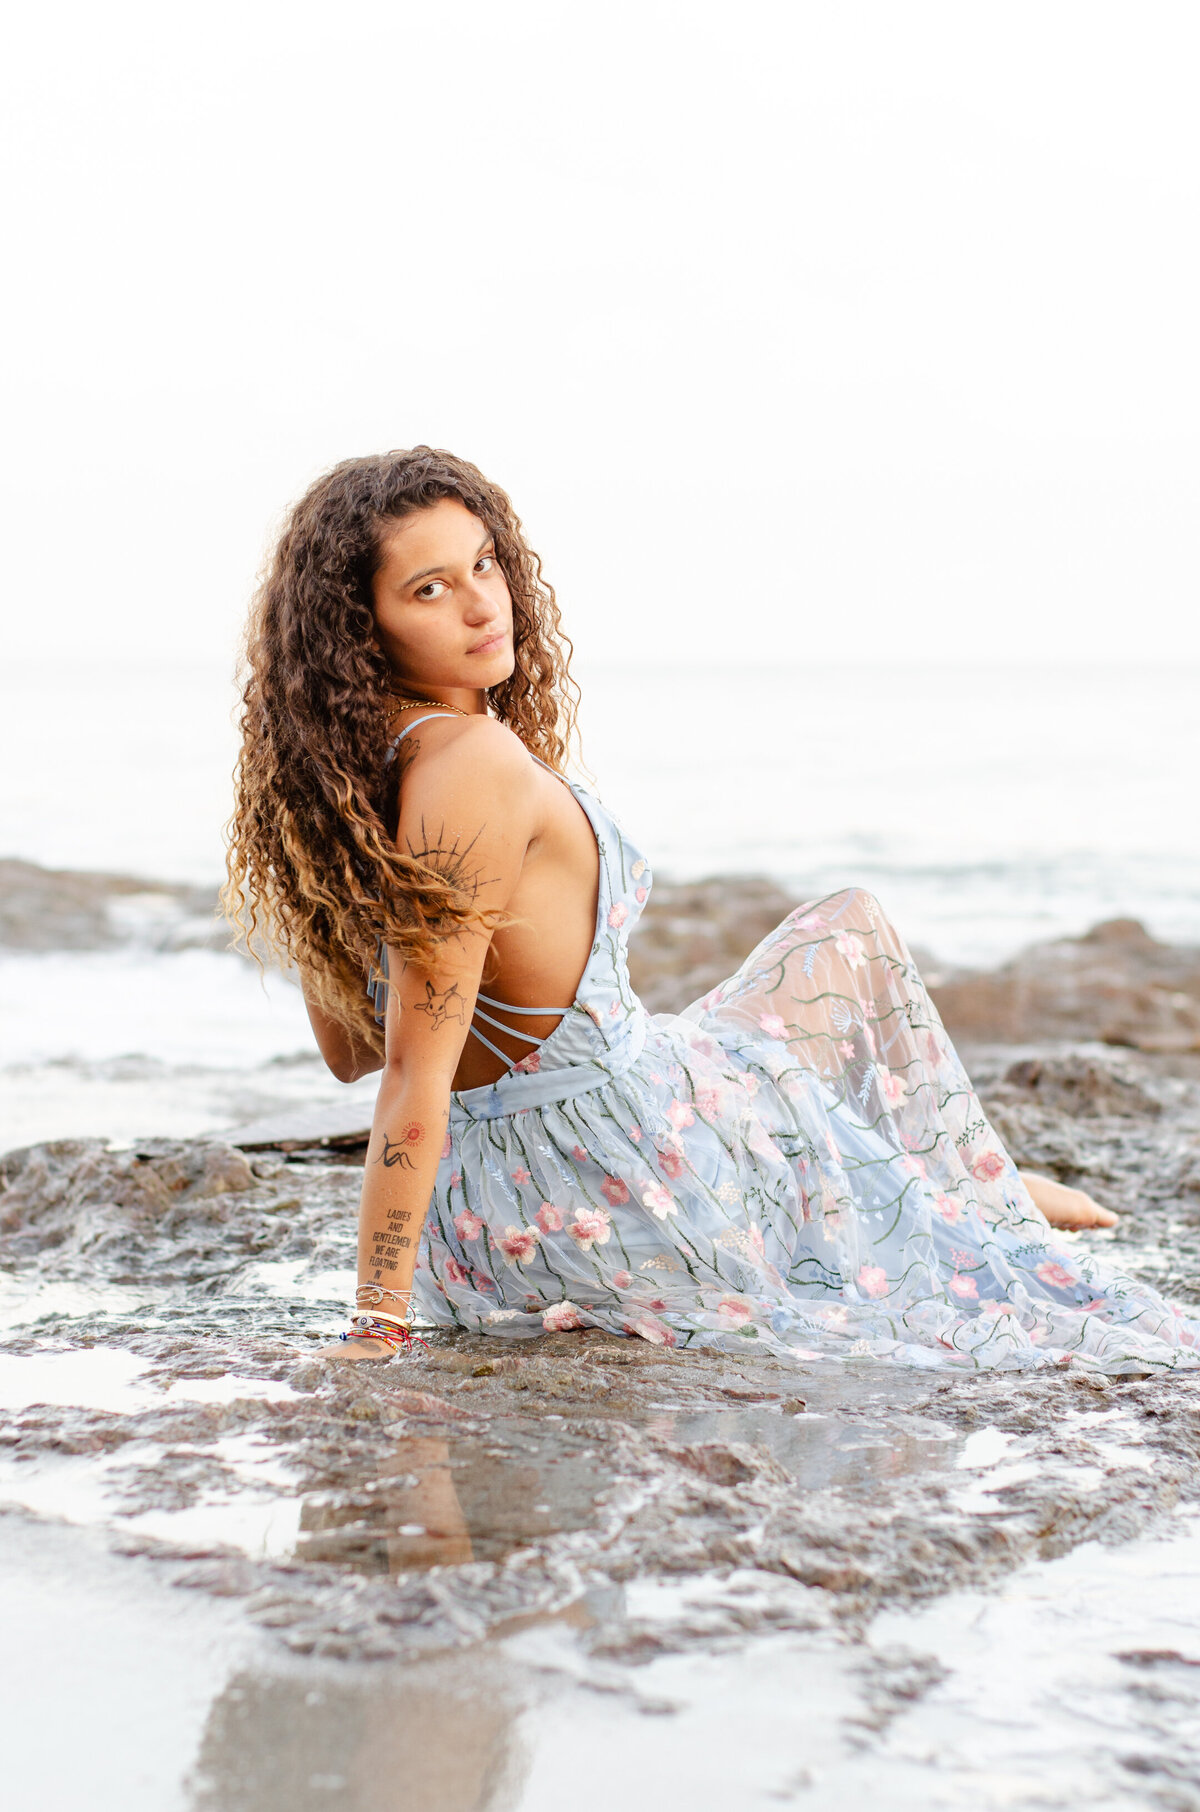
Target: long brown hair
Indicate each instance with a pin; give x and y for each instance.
(314, 875)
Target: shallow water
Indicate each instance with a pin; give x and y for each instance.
(1075, 1682)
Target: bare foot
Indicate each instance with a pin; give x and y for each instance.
(1067, 1208)
(355, 1349)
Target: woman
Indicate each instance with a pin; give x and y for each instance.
(797, 1159)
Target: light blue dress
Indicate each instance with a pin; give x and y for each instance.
(797, 1160)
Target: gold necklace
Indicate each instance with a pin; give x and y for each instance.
(413, 704)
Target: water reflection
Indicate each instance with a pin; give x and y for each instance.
(440, 1737)
(438, 1501)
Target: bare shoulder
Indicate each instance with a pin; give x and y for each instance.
(471, 781)
(471, 752)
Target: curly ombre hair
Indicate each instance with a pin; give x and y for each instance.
(315, 878)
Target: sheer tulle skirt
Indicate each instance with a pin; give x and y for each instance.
(800, 1160)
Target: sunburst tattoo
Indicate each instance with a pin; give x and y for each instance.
(451, 860)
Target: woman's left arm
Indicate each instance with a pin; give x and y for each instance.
(348, 1057)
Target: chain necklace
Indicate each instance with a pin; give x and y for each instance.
(415, 704)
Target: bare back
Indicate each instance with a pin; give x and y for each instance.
(539, 958)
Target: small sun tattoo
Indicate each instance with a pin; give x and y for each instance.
(399, 1151)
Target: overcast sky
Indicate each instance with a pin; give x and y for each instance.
(795, 330)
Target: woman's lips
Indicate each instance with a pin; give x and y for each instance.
(493, 641)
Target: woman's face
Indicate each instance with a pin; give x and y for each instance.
(442, 608)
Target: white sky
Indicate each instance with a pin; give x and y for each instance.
(795, 330)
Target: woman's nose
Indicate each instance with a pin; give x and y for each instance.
(479, 607)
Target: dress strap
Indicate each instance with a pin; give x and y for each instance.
(473, 1031)
(508, 1009)
(513, 1031)
(397, 740)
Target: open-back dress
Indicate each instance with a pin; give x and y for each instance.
(798, 1160)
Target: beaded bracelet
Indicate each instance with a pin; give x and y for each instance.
(395, 1335)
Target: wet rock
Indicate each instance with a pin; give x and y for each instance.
(69, 909)
(169, 1210)
(1116, 984)
(730, 1463)
(1078, 1084)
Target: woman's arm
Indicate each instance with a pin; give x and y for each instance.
(347, 1056)
(468, 809)
(343, 1053)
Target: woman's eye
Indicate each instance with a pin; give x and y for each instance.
(486, 564)
(434, 589)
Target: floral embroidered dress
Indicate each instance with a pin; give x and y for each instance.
(797, 1159)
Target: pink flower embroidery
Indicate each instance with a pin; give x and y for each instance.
(446, 1146)
(812, 921)
(455, 1178)
(454, 1272)
(639, 894)
(617, 914)
(890, 1087)
(948, 1208)
(913, 1166)
(680, 1115)
(846, 1049)
(964, 1286)
(671, 1164)
(1055, 1275)
(560, 1317)
(482, 1282)
(468, 1225)
(519, 1244)
(549, 1218)
(873, 1279)
(1097, 1302)
(734, 1311)
(614, 1191)
(591, 1226)
(521, 1175)
(831, 1147)
(850, 948)
(708, 1100)
(635, 1133)
(579, 1154)
(987, 1167)
(639, 868)
(529, 1066)
(621, 1280)
(658, 1201)
(772, 1025)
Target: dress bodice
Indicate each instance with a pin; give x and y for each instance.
(601, 1033)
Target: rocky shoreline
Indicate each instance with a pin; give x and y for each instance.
(1114, 984)
(828, 1489)
(652, 1503)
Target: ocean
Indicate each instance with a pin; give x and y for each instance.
(988, 806)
